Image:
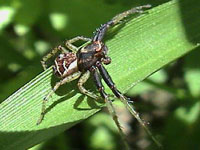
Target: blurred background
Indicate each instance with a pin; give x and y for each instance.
(168, 101)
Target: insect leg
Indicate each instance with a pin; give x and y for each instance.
(123, 99)
(81, 81)
(51, 54)
(69, 44)
(57, 85)
(108, 103)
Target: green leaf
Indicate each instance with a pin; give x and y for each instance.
(190, 114)
(192, 73)
(138, 48)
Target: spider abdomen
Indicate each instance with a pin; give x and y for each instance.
(65, 64)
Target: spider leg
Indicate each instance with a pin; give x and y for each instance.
(108, 103)
(81, 81)
(51, 54)
(123, 15)
(57, 85)
(109, 81)
(123, 99)
(69, 44)
(100, 32)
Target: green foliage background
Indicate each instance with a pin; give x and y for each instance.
(168, 99)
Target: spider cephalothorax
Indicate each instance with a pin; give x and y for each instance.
(90, 54)
(89, 59)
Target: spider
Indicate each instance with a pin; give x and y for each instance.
(88, 60)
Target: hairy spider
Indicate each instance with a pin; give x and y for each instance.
(89, 59)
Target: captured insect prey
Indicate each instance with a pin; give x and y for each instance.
(89, 60)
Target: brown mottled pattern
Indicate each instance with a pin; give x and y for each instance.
(63, 62)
